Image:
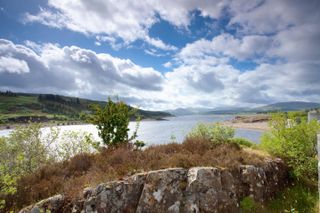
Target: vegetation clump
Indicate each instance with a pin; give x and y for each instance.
(112, 121)
(294, 139)
(216, 133)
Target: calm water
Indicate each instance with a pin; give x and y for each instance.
(161, 132)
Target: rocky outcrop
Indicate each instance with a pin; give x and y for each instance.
(198, 189)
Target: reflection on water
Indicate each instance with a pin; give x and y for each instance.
(161, 132)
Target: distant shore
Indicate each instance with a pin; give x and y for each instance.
(254, 122)
(66, 123)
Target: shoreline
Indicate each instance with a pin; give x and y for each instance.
(12, 126)
(262, 126)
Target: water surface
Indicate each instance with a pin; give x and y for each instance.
(162, 132)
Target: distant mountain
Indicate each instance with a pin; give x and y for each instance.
(188, 111)
(287, 106)
(228, 110)
(280, 106)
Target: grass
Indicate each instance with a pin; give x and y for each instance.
(298, 198)
(70, 177)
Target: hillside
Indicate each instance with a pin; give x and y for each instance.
(22, 107)
(280, 106)
(288, 106)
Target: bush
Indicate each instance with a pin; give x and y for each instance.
(243, 142)
(27, 149)
(295, 141)
(72, 143)
(20, 154)
(71, 176)
(247, 204)
(112, 121)
(216, 133)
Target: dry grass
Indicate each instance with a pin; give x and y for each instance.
(70, 177)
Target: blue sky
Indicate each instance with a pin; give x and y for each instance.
(163, 54)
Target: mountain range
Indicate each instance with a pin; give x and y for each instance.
(279, 106)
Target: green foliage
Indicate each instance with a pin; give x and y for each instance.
(247, 204)
(72, 143)
(29, 148)
(216, 133)
(112, 121)
(139, 144)
(243, 142)
(298, 198)
(294, 140)
(21, 153)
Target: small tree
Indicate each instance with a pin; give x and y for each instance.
(112, 121)
(295, 141)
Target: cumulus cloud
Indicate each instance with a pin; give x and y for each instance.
(12, 65)
(71, 70)
(248, 47)
(127, 20)
(281, 37)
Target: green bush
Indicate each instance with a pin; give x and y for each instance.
(28, 148)
(242, 142)
(216, 133)
(295, 141)
(112, 121)
(247, 204)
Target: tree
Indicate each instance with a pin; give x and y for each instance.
(295, 141)
(112, 121)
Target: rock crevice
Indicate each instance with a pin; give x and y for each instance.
(198, 189)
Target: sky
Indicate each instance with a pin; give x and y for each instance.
(163, 54)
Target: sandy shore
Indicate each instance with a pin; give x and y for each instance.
(263, 126)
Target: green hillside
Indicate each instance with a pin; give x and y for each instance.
(23, 107)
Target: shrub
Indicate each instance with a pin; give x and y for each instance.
(295, 142)
(247, 204)
(112, 121)
(216, 133)
(71, 176)
(72, 143)
(27, 149)
(21, 153)
(242, 142)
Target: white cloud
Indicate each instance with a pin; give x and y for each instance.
(12, 65)
(126, 20)
(272, 16)
(248, 47)
(71, 70)
(205, 81)
(159, 44)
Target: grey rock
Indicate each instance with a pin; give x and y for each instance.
(198, 189)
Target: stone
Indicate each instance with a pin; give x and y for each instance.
(198, 189)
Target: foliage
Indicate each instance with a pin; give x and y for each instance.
(295, 141)
(243, 142)
(139, 144)
(20, 154)
(112, 121)
(29, 148)
(72, 143)
(299, 198)
(247, 204)
(70, 177)
(216, 133)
